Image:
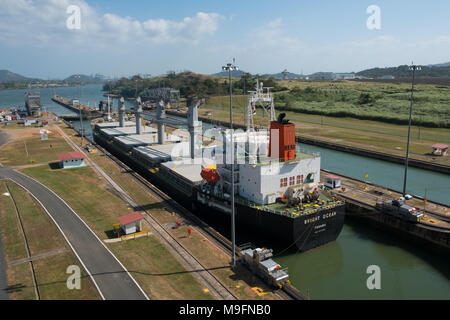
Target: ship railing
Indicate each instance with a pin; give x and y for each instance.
(246, 246)
(303, 150)
(287, 213)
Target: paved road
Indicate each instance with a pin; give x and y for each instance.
(111, 278)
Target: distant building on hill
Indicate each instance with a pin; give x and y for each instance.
(387, 77)
(344, 76)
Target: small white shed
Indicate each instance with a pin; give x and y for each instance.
(332, 181)
(131, 223)
(71, 160)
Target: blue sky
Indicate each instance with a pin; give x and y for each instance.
(129, 37)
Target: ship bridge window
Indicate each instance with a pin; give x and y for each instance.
(310, 177)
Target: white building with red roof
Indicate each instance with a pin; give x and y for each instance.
(440, 149)
(131, 223)
(71, 160)
(332, 181)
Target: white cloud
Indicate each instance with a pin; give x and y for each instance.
(43, 22)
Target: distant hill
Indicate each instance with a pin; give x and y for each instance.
(83, 78)
(446, 64)
(404, 72)
(282, 75)
(235, 73)
(6, 75)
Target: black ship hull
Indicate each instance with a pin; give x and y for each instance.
(300, 233)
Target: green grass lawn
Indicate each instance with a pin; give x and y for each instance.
(33, 150)
(386, 101)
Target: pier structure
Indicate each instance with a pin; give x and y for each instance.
(81, 110)
(33, 104)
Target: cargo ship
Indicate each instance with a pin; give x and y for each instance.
(277, 193)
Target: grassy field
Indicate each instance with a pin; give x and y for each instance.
(367, 134)
(42, 237)
(387, 102)
(28, 148)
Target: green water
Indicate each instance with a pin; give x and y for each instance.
(338, 270)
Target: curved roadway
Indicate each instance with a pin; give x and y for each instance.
(109, 276)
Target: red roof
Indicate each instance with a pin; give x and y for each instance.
(71, 155)
(332, 176)
(440, 146)
(129, 218)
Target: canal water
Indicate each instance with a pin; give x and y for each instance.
(338, 270)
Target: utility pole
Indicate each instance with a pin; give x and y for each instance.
(230, 67)
(413, 68)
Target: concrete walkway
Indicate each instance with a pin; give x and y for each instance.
(109, 276)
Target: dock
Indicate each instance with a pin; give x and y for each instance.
(87, 113)
(433, 230)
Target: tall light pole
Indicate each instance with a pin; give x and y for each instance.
(413, 68)
(230, 67)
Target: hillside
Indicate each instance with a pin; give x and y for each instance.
(8, 76)
(281, 76)
(235, 73)
(404, 72)
(446, 64)
(83, 78)
(187, 82)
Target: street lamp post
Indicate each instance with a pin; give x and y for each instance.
(230, 67)
(413, 68)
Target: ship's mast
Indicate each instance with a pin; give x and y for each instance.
(259, 96)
